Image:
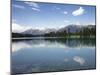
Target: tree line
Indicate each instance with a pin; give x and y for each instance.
(68, 33)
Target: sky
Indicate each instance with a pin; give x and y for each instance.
(39, 15)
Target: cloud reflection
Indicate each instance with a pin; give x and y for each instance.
(19, 45)
(79, 60)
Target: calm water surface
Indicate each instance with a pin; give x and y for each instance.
(47, 55)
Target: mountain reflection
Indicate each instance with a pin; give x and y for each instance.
(60, 42)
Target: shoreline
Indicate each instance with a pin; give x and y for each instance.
(79, 37)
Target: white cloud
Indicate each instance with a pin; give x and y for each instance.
(78, 12)
(79, 60)
(18, 6)
(18, 28)
(65, 12)
(35, 9)
(33, 4)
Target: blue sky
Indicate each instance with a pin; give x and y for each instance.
(50, 15)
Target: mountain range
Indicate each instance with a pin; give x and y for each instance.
(69, 28)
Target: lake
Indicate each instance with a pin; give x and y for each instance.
(52, 54)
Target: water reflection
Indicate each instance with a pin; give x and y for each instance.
(42, 55)
(79, 60)
(63, 43)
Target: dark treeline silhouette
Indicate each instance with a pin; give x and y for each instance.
(18, 35)
(84, 32)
